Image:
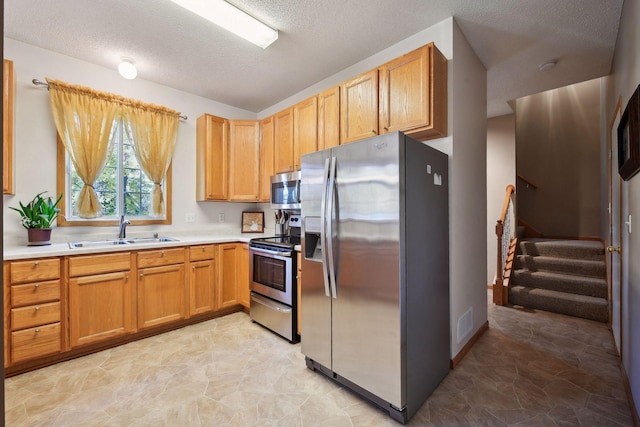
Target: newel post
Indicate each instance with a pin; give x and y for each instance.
(497, 287)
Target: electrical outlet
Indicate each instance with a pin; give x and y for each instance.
(221, 217)
(189, 217)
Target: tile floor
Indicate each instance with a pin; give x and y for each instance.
(528, 369)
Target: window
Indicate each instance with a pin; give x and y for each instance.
(122, 187)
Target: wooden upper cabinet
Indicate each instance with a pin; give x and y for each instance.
(266, 158)
(283, 141)
(244, 160)
(359, 107)
(413, 94)
(329, 118)
(8, 102)
(211, 158)
(305, 129)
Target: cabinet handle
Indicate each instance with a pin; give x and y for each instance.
(193, 267)
(126, 277)
(141, 275)
(162, 253)
(373, 131)
(203, 249)
(385, 128)
(37, 330)
(36, 263)
(37, 285)
(37, 308)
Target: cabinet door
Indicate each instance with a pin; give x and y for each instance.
(413, 94)
(100, 307)
(8, 102)
(359, 107)
(227, 285)
(211, 158)
(283, 134)
(266, 158)
(161, 295)
(305, 129)
(243, 276)
(202, 287)
(329, 118)
(244, 160)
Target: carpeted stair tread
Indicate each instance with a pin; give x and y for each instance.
(575, 249)
(579, 267)
(582, 285)
(587, 307)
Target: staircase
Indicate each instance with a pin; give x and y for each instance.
(562, 276)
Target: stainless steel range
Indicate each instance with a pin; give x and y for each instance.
(273, 283)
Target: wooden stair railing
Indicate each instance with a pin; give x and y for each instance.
(507, 241)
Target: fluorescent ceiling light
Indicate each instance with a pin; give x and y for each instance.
(232, 19)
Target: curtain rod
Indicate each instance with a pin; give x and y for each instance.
(37, 82)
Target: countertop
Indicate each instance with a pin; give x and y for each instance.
(14, 252)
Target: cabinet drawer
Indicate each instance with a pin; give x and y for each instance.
(34, 293)
(160, 257)
(34, 315)
(199, 253)
(31, 271)
(35, 342)
(98, 264)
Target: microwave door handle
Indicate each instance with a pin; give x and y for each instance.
(323, 206)
(330, 201)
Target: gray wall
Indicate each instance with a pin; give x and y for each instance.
(558, 149)
(625, 78)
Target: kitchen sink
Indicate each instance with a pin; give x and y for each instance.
(114, 242)
(151, 239)
(97, 243)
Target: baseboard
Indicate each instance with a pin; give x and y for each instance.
(467, 347)
(627, 388)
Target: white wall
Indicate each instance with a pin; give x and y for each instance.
(468, 191)
(35, 140)
(501, 171)
(626, 77)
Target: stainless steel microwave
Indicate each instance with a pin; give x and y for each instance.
(285, 190)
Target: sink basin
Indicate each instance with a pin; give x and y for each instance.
(97, 243)
(112, 242)
(151, 239)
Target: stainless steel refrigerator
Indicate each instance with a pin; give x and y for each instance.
(375, 286)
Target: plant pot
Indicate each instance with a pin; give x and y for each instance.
(38, 236)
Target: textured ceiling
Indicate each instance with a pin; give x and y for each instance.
(318, 38)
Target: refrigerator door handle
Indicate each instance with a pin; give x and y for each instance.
(329, 238)
(323, 218)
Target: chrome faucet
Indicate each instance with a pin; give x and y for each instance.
(123, 227)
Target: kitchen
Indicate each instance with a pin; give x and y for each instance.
(220, 219)
(31, 61)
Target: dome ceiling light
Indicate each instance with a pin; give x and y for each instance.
(127, 69)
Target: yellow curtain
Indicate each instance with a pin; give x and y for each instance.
(85, 120)
(153, 130)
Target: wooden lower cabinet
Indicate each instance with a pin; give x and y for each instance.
(100, 307)
(33, 307)
(57, 308)
(227, 286)
(35, 342)
(101, 297)
(202, 279)
(244, 291)
(161, 295)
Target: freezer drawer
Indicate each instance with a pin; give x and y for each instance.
(278, 317)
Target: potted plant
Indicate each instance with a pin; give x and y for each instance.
(37, 217)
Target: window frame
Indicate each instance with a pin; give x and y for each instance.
(61, 181)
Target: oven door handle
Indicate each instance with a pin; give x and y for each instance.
(269, 304)
(268, 252)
